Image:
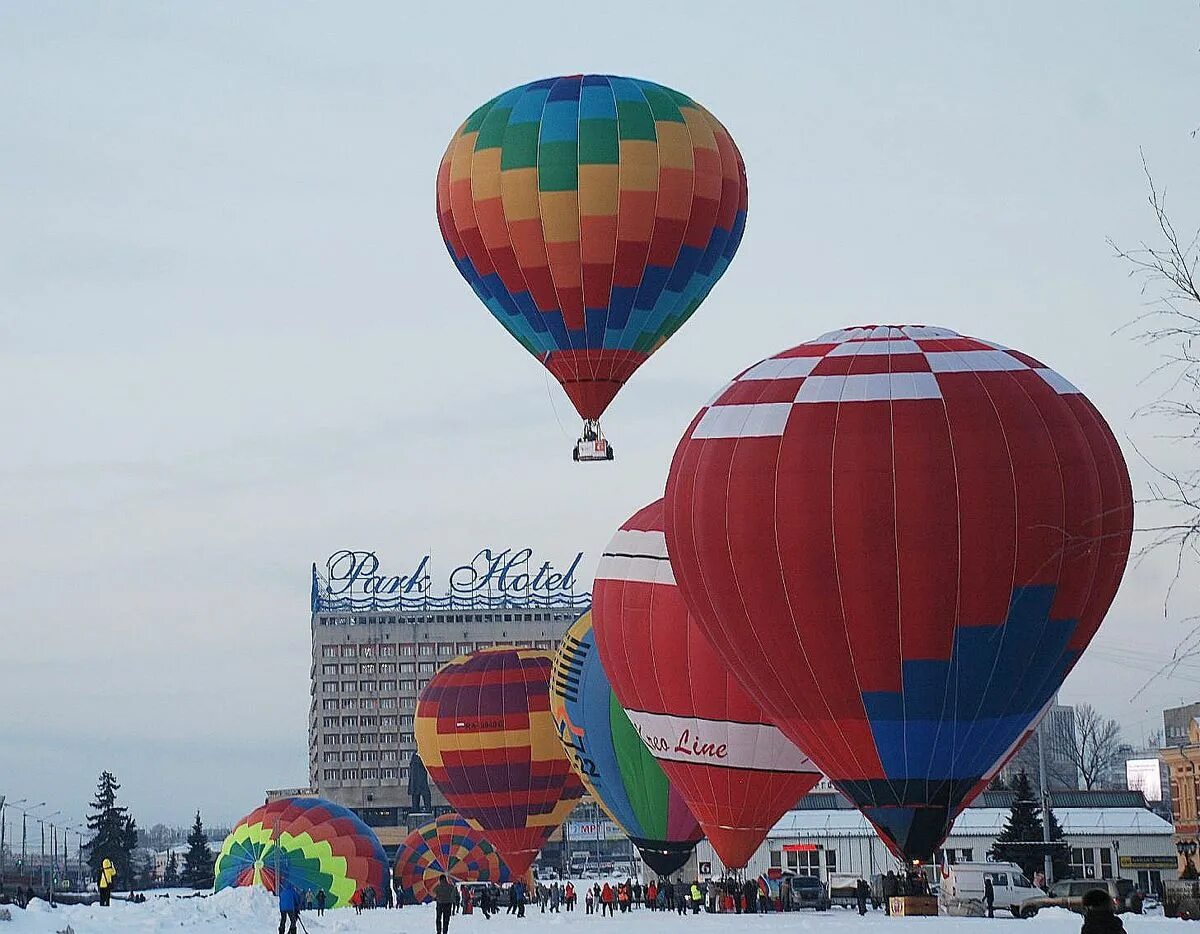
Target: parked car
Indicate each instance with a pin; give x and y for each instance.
(961, 888)
(1068, 893)
(809, 892)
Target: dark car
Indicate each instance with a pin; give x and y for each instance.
(809, 892)
(1068, 893)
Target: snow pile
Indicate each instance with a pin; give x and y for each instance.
(244, 911)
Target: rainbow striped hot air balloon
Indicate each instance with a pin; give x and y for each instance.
(446, 845)
(311, 843)
(485, 733)
(592, 214)
(611, 759)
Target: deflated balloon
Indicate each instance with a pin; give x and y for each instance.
(901, 540)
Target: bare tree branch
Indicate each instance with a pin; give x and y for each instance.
(1090, 741)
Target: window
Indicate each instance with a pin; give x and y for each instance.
(389, 703)
(542, 644)
(445, 648)
(406, 702)
(425, 648)
(349, 651)
(406, 650)
(387, 651)
(406, 738)
(387, 686)
(427, 668)
(388, 739)
(329, 669)
(330, 775)
(327, 722)
(350, 756)
(349, 669)
(367, 687)
(1106, 868)
(403, 775)
(348, 687)
(408, 686)
(349, 775)
(367, 650)
(408, 668)
(370, 703)
(329, 687)
(329, 757)
(370, 755)
(389, 755)
(422, 684)
(329, 704)
(999, 879)
(387, 668)
(484, 645)
(349, 703)
(464, 648)
(349, 721)
(830, 861)
(331, 739)
(350, 739)
(367, 668)
(406, 719)
(776, 859)
(369, 739)
(370, 773)
(805, 862)
(387, 720)
(329, 651)
(387, 773)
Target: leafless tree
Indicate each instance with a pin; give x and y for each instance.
(1091, 741)
(1166, 267)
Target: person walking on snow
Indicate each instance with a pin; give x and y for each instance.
(443, 894)
(289, 907)
(989, 896)
(321, 898)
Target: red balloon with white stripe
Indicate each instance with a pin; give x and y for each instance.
(736, 771)
(901, 540)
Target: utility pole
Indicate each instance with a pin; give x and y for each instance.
(1048, 863)
(2, 829)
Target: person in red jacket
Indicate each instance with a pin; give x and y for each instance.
(606, 900)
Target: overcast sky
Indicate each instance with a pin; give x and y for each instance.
(231, 341)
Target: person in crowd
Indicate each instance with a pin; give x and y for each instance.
(750, 896)
(467, 899)
(1098, 914)
(697, 896)
(1136, 901)
(652, 895)
(1039, 880)
(104, 883)
(607, 897)
(521, 895)
(443, 895)
(989, 896)
(542, 894)
(785, 895)
(322, 898)
(289, 907)
(764, 900)
(623, 895)
(555, 897)
(712, 895)
(357, 901)
(681, 896)
(890, 890)
(861, 891)
(569, 896)
(636, 900)
(589, 901)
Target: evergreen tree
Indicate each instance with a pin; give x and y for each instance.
(198, 860)
(171, 873)
(1021, 840)
(114, 831)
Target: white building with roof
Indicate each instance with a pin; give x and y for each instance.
(1110, 833)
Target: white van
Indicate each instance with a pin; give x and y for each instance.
(962, 888)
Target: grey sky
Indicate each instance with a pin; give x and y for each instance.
(231, 340)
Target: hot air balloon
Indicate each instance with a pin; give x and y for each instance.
(616, 767)
(901, 540)
(735, 770)
(483, 728)
(448, 846)
(312, 843)
(592, 215)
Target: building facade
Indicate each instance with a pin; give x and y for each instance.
(1058, 729)
(374, 652)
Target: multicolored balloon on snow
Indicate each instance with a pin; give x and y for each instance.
(901, 540)
(483, 728)
(311, 843)
(735, 770)
(616, 767)
(446, 845)
(591, 214)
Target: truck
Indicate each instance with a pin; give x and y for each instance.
(961, 890)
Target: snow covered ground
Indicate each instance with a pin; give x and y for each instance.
(244, 911)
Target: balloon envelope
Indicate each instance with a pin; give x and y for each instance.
(450, 846)
(736, 771)
(614, 764)
(901, 540)
(311, 843)
(591, 214)
(484, 730)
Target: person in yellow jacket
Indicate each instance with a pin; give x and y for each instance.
(108, 875)
(697, 898)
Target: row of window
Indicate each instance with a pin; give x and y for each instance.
(409, 649)
(354, 775)
(385, 721)
(370, 687)
(534, 617)
(383, 668)
(366, 755)
(804, 862)
(365, 739)
(371, 703)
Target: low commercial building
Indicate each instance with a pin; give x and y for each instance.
(1111, 834)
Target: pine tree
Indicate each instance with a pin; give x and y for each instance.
(114, 831)
(198, 860)
(171, 873)
(1021, 840)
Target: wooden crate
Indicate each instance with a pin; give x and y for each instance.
(904, 906)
